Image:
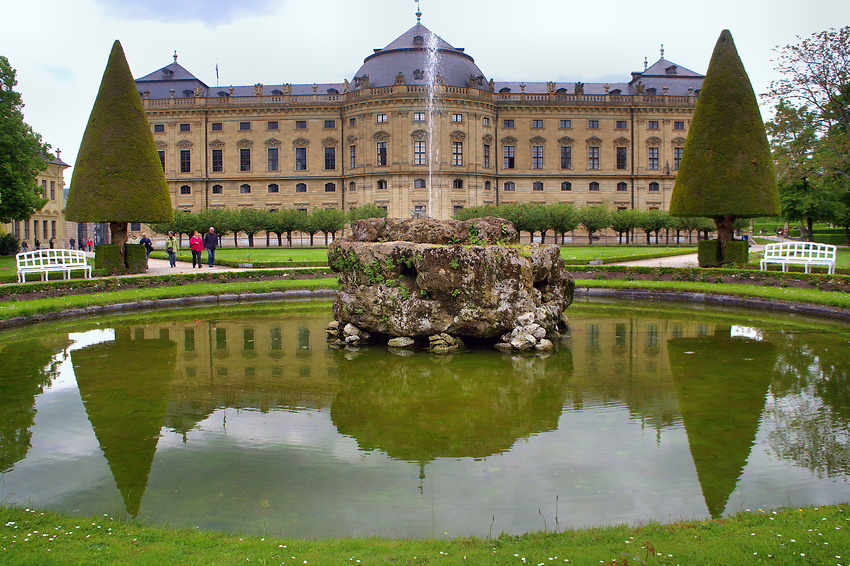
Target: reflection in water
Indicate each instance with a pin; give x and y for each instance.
(245, 420)
(422, 407)
(125, 387)
(721, 382)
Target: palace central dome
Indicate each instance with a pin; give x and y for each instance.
(405, 61)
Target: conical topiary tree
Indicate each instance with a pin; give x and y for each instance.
(118, 176)
(726, 170)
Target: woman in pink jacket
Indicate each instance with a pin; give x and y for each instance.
(196, 244)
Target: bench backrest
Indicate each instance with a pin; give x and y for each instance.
(800, 250)
(47, 258)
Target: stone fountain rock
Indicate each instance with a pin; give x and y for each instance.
(423, 277)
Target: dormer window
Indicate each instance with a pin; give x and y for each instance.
(671, 70)
(223, 93)
(418, 41)
(333, 91)
(167, 73)
(277, 92)
(418, 75)
(504, 90)
(651, 91)
(615, 92)
(188, 92)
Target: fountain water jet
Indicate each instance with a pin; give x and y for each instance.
(431, 80)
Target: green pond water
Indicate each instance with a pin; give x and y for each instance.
(241, 418)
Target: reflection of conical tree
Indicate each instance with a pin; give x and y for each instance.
(423, 407)
(721, 382)
(125, 386)
(23, 373)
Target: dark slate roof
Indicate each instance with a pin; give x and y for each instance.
(409, 53)
(533, 87)
(172, 72)
(666, 74)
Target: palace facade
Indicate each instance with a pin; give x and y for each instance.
(49, 222)
(420, 130)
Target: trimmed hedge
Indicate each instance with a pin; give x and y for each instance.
(136, 258)
(708, 253)
(108, 257)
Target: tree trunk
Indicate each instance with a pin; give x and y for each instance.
(810, 229)
(725, 232)
(118, 235)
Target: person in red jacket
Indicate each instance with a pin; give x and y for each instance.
(196, 244)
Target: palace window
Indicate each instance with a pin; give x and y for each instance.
(418, 116)
(566, 157)
(161, 154)
(593, 157)
(621, 186)
(457, 184)
(652, 124)
(457, 153)
(457, 117)
(300, 158)
(352, 154)
(677, 157)
(273, 125)
(566, 124)
(352, 122)
(330, 158)
(382, 154)
(678, 125)
(419, 152)
(508, 123)
(537, 186)
(509, 157)
(382, 184)
(217, 189)
(622, 158)
(330, 124)
(185, 161)
(352, 186)
(185, 190)
(158, 128)
(218, 160)
(510, 186)
(245, 159)
(654, 187)
(566, 186)
(245, 188)
(594, 186)
(419, 184)
(486, 162)
(216, 126)
(185, 127)
(274, 162)
(487, 186)
(330, 187)
(301, 188)
(485, 121)
(593, 124)
(537, 123)
(382, 118)
(537, 157)
(653, 158)
(274, 188)
(620, 125)
(244, 125)
(300, 124)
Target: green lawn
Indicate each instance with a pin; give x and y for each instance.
(612, 254)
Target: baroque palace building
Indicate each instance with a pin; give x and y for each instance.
(49, 222)
(420, 130)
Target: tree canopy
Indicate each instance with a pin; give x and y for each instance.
(22, 153)
(118, 176)
(726, 170)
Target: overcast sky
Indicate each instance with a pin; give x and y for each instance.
(59, 47)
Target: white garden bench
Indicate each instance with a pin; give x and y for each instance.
(45, 261)
(799, 253)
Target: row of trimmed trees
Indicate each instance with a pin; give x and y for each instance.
(560, 218)
(252, 221)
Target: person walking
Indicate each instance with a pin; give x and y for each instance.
(24, 246)
(210, 243)
(72, 242)
(196, 244)
(171, 245)
(145, 241)
(90, 244)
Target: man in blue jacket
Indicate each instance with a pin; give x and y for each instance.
(210, 243)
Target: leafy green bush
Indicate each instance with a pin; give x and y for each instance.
(108, 257)
(136, 260)
(9, 244)
(708, 253)
(737, 252)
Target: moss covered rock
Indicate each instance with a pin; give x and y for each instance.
(118, 176)
(726, 168)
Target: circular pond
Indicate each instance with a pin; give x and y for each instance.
(241, 418)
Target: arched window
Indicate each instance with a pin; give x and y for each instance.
(419, 184)
(653, 186)
(352, 186)
(621, 186)
(594, 186)
(330, 187)
(301, 188)
(273, 188)
(566, 186)
(537, 186)
(509, 186)
(382, 184)
(487, 185)
(185, 190)
(245, 188)
(217, 189)
(457, 183)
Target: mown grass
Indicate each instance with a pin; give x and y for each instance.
(808, 536)
(574, 255)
